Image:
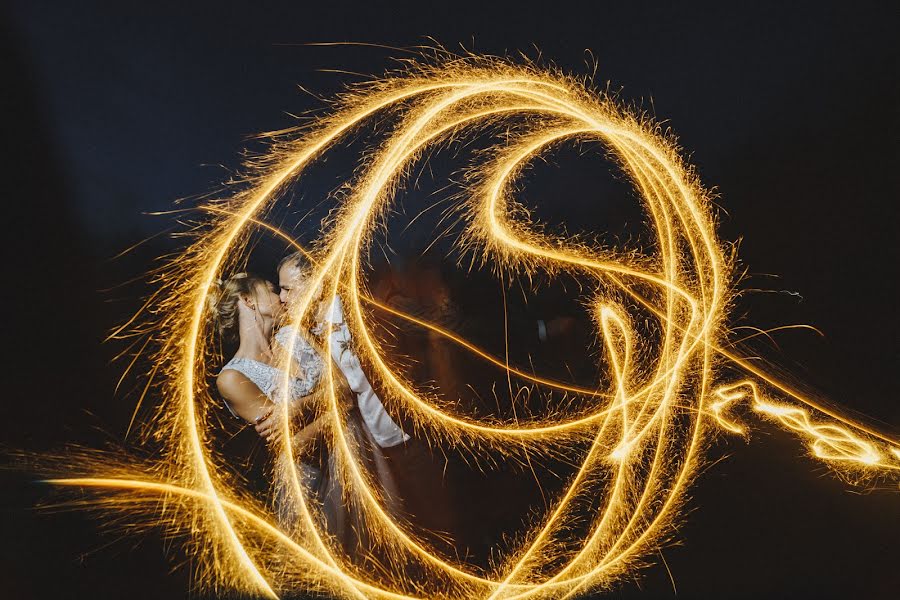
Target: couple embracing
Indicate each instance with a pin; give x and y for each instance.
(247, 310)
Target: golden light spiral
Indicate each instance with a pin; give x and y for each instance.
(645, 432)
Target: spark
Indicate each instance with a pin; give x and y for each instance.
(648, 431)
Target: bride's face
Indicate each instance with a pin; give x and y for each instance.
(267, 301)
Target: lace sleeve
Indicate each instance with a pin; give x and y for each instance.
(308, 359)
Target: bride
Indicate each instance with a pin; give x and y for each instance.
(246, 309)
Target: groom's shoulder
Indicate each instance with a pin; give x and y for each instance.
(335, 311)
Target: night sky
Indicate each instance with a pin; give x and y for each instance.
(790, 113)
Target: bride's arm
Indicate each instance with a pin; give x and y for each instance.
(269, 424)
(303, 411)
(245, 399)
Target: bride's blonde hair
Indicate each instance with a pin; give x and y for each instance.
(223, 298)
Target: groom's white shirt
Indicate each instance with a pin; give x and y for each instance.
(385, 431)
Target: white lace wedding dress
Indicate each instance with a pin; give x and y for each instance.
(270, 380)
(317, 470)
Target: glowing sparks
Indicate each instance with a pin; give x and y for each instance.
(645, 433)
(828, 440)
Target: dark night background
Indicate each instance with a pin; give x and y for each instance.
(789, 111)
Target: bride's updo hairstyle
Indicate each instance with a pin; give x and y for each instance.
(223, 298)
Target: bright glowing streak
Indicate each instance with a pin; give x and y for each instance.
(644, 430)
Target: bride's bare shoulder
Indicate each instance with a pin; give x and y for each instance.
(230, 382)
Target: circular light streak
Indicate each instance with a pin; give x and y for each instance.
(645, 434)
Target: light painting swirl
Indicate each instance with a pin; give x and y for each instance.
(666, 396)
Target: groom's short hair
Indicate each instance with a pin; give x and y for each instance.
(298, 260)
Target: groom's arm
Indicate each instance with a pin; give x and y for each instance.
(383, 428)
(302, 439)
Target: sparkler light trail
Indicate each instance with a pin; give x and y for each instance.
(667, 395)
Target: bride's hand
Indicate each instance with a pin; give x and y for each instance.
(270, 424)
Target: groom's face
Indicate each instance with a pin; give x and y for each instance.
(289, 282)
(293, 285)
